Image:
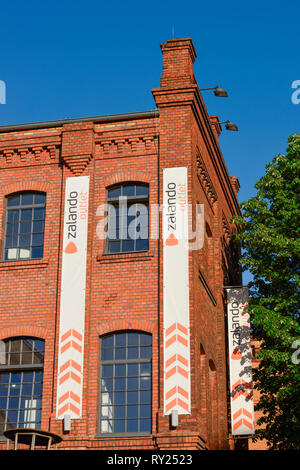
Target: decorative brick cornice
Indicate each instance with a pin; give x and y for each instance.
(31, 154)
(226, 228)
(132, 142)
(206, 181)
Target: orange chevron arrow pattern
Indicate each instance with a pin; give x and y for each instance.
(244, 416)
(71, 371)
(240, 388)
(176, 365)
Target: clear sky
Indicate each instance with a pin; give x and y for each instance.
(72, 59)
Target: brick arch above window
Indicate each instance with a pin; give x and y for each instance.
(148, 326)
(23, 330)
(125, 176)
(20, 186)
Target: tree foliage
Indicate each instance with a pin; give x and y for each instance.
(271, 252)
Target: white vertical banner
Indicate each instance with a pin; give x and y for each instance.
(240, 362)
(72, 300)
(176, 322)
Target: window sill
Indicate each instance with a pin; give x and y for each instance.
(123, 435)
(30, 263)
(125, 257)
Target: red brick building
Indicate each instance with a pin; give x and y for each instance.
(123, 315)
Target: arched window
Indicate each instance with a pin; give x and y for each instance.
(128, 218)
(24, 226)
(126, 383)
(21, 382)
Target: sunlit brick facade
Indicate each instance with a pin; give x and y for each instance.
(124, 291)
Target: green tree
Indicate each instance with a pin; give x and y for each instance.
(269, 239)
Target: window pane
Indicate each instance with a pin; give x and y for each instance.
(145, 411)
(121, 339)
(37, 239)
(114, 192)
(133, 353)
(107, 384)
(132, 383)
(133, 339)
(127, 245)
(15, 377)
(37, 252)
(24, 240)
(119, 412)
(11, 253)
(107, 354)
(108, 341)
(120, 353)
(142, 245)
(25, 227)
(114, 247)
(106, 426)
(107, 371)
(11, 242)
(128, 190)
(145, 383)
(146, 352)
(39, 345)
(133, 370)
(27, 358)
(132, 411)
(132, 425)
(142, 190)
(26, 214)
(119, 398)
(11, 229)
(24, 253)
(120, 370)
(132, 397)
(40, 199)
(38, 226)
(39, 214)
(145, 425)
(28, 377)
(27, 199)
(119, 425)
(13, 200)
(12, 215)
(145, 340)
(145, 396)
(120, 383)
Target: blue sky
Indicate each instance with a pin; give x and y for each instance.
(73, 59)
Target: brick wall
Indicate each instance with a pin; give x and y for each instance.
(124, 291)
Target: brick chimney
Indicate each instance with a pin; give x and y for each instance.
(178, 58)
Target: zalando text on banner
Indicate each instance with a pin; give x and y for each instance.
(240, 363)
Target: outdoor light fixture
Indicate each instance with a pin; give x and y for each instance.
(230, 126)
(217, 91)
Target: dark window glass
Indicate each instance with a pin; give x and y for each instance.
(126, 384)
(20, 388)
(128, 218)
(24, 229)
